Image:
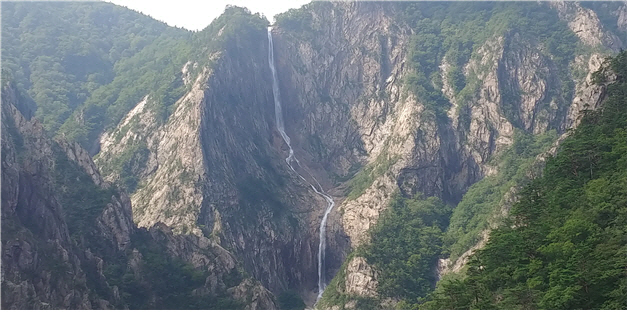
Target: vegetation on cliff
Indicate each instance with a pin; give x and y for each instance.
(61, 249)
(454, 31)
(478, 209)
(90, 61)
(405, 245)
(564, 245)
(87, 65)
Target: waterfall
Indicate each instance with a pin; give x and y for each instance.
(291, 160)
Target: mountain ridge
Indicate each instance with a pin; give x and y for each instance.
(381, 101)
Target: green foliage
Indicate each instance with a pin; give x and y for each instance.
(410, 237)
(454, 31)
(290, 300)
(334, 293)
(171, 281)
(364, 178)
(483, 199)
(566, 242)
(153, 71)
(607, 14)
(87, 64)
(300, 22)
(127, 164)
(82, 200)
(234, 30)
(72, 55)
(405, 246)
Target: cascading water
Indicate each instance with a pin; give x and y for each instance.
(278, 113)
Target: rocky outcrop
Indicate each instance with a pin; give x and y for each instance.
(213, 170)
(215, 167)
(41, 269)
(347, 119)
(205, 254)
(360, 278)
(46, 265)
(586, 25)
(525, 76)
(588, 94)
(255, 296)
(621, 22)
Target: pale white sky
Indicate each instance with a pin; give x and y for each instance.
(197, 14)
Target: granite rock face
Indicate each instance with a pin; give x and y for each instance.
(360, 278)
(215, 168)
(209, 182)
(348, 108)
(46, 265)
(586, 24)
(349, 112)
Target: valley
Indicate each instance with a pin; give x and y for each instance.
(348, 155)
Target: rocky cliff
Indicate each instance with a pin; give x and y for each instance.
(350, 106)
(379, 99)
(215, 167)
(67, 234)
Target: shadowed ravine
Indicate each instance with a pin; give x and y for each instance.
(292, 159)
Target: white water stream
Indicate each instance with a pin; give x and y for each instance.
(292, 159)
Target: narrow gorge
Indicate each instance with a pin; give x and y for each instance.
(418, 135)
(291, 158)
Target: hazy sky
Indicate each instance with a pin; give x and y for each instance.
(197, 14)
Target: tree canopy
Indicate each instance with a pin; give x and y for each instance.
(565, 244)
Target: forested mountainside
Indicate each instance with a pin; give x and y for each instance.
(86, 64)
(69, 242)
(564, 245)
(429, 124)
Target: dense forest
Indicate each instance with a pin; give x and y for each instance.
(565, 244)
(87, 66)
(90, 66)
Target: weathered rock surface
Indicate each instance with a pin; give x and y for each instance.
(347, 114)
(586, 25)
(40, 267)
(214, 171)
(45, 266)
(346, 108)
(215, 168)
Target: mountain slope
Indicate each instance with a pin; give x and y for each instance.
(564, 246)
(214, 167)
(85, 64)
(69, 241)
(400, 110)
(410, 127)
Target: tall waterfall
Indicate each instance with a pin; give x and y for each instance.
(291, 160)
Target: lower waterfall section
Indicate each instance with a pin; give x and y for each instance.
(291, 159)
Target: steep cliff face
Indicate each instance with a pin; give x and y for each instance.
(254, 204)
(586, 25)
(358, 99)
(28, 259)
(355, 75)
(215, 166)
(357, 124)
(156, 154)
(65, 232)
